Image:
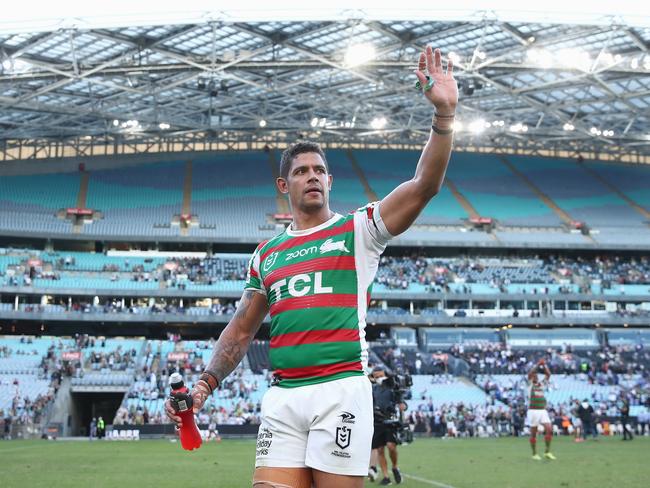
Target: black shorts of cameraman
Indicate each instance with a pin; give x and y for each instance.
(383, 435)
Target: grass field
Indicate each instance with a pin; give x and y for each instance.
(457, 463)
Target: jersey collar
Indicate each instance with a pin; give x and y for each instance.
(311, 230)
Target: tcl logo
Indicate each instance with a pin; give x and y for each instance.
(300, 285)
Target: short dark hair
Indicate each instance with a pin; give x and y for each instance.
(294, 150)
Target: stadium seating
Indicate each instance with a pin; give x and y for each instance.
(628, 337)
(444, 390)
(397, 276)
(496, 192)
(347, 191)
(233, 194)
(84, 261)
(136, 199)
(28, 203)
(140, 199)
(106, 378)
(578, 192)
(632, 180)
(444, 338)
(615, 235)
(385, 170)
(26, 386)
(563, 391)
(89, 281)
(542, 339)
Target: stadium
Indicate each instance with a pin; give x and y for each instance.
(141, 167)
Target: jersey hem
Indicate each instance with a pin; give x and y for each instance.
(298, 382)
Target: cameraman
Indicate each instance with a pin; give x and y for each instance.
(385, 407)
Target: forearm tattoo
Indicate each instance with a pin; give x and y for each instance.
(233, 343)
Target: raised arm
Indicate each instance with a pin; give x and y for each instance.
(229, 350)
(535, 369)
(401, 207)
(547, 372)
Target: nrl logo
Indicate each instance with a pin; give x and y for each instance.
(343, 435)
(270, 261)
(330, 245)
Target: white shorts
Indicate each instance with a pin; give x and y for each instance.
(537, 417)
(327, 426)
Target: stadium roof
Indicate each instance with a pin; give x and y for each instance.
(577, 82)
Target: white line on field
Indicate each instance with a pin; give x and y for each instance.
(430, 482)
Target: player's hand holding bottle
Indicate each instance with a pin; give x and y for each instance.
(181, 407)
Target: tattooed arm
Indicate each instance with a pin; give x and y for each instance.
(231, 347)
(237, 336)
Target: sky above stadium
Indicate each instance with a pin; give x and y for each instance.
(42, 15)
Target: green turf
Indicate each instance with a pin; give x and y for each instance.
(460, 463)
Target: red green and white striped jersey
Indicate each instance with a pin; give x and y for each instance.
(317, 283)
(537, 399)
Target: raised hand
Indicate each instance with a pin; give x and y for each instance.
(438, 86)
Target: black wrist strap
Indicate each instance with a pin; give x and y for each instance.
(442, 132)
(210, 379)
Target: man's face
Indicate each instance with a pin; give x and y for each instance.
(308, 183)
(379, 376)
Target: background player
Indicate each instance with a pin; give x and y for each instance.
(537, 414)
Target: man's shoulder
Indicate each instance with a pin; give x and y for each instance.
(368, 209)
(268, 243)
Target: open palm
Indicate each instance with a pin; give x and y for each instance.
(444, 93)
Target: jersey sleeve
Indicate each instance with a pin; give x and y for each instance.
(253, 278)
(371, 224)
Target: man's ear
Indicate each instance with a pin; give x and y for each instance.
(330, 180)
(282, 185)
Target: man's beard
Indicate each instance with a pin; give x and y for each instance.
(312, 206)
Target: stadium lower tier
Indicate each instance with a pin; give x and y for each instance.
(37, 372)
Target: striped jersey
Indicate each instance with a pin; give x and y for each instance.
(317, 283)
(537, 399)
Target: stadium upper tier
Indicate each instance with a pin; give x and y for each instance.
(135, 201)
(578, 192)
(496, 192)
(232, 196)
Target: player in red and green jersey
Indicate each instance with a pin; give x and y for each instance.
(315, 281)
(537, 414)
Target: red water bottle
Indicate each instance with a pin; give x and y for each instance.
(182, 403)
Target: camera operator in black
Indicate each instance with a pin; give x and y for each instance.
(625, 416)
(385, 435)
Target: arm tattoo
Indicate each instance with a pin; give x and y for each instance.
(232, 344)
(244, 304)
